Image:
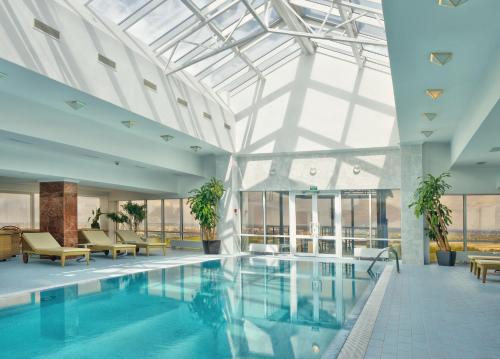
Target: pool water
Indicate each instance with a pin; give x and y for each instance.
(233, 308)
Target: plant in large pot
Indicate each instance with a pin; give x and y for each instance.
(204, 203)
(427, 203)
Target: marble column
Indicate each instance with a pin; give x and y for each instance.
(413, 241)
(58, 211)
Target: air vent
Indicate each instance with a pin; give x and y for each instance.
(46, 29)
(106, 61)
(182, 102)
(227, 126)
(150, 85)
(207, 115)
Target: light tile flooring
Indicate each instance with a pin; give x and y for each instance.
(15, 276)
(438, 312)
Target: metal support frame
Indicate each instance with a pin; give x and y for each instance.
(356, 48)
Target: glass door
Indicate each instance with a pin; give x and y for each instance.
(314, 220)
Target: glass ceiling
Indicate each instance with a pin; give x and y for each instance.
(229, 44)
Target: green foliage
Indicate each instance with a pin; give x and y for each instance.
(204, 203)
(118, 217)
(133, 214)
(94, 219)
(427, 203)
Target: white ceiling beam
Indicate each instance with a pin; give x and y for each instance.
(291, 20)
(330, 37)
(348, 26)
(324, 8)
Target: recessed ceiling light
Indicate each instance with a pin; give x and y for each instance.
(3, 75)
(75, 104)
(434, 93)
(195, 148)
(495, 149)
(480, 163)
(167, 138)
(20, 141)
(429, 115)
(440, 58)
(427, 133)
(141, 167)
(451, 3)
(128, 124)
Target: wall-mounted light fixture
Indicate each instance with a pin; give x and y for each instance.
(440, 58)
(195, 148)
(427, 133)
(451, 3)
(430, 115)
(128, 124)
(167, 138)
(75, 104)
(356, 169)
(434, 93)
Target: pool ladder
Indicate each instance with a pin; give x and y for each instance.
(387, 249)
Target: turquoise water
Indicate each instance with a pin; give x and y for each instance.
(234, 308)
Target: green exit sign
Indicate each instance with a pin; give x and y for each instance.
(313, 188)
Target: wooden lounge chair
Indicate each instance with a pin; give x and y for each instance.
(130, 237)
(44, 245)
(98, 241)
(474, 258)
(484, 265)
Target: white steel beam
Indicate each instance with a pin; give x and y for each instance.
(356, 48)
(294, 24)
(324, 8)
(330, 37)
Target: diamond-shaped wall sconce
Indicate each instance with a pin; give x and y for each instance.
(128, 124)
(195, 148)
(167, 138)
(3, 75)
(427, 133)
(440, 58)
(430, 115)
(75, 104)
(451, 3)
(434, 93)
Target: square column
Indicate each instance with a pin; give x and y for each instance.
(413, 241)
(58, 211)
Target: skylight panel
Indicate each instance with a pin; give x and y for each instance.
(371, 30)
(320, 16)
(200, 37)
(225, 71)
(116, 10)
(374, 4)
(202, 3)
(160, 21)
(202, 66)
(265, 46)
(249, 28)
(230, 16)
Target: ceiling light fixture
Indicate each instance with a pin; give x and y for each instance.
(195, 148)
(427, 133)
(451, 3)
(480, 163)
(495, 149)
(167, 138)
(430, 115)
(3, 75)
(75, 104)
(434, 93)
(440, 58)
(128, 124)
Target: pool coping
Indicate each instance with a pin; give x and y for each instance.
(356, 344)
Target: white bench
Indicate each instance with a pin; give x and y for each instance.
(263, 248)
(369, 253)
(185, 244)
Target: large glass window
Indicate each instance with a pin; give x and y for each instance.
(252, 218)
(154, 218)
(172, 220)
(277, 227)
(483, 223)
(190, 226)
(140, 228)
(85, 207)
(15, 210)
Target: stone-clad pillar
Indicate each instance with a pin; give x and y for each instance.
(412, 228)
(58, 211)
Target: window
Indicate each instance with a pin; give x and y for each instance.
(126, 226)
(483, 223)
(15, 210)
(252, 218)
(116, 10)
(172, 218)
(277, 227)
(36, 211)
(154, 218)
(85, 207)
(190, 227)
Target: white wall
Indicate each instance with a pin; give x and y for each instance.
(316, 103)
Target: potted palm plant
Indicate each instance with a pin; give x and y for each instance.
(427, 203)
(204, 203)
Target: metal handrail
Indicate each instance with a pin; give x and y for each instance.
(388, 249)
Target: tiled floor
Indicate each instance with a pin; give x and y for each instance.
(16, 276)
(438, 312)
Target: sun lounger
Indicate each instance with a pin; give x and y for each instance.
(43, 244)
(484, 265)
(474, 258)
(130, 237)
(98, 241)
